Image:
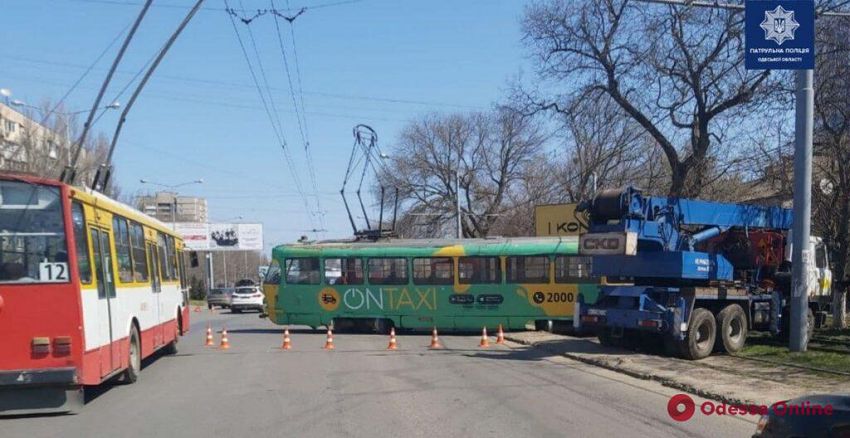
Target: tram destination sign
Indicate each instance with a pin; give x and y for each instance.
(780, 35)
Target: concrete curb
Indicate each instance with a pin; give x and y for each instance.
(671, 383)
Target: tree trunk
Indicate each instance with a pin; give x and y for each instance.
(839, 308)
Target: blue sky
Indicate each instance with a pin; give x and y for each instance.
(378, 62)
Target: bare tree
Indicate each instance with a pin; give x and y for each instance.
(677, 72)
(44, 145)
(831, 193)
(477, 158)
(606, 148)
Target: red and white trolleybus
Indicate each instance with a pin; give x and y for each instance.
(88, 288)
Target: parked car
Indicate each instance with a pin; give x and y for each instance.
(245, 282)
(219, 297)
(807, 417)
(247, 298)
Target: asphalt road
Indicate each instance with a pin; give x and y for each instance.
(360, 389)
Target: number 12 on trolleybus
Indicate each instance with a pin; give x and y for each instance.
(88, 288)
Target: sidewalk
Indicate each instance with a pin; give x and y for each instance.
(723, 378)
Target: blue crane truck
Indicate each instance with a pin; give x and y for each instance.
(692, 276)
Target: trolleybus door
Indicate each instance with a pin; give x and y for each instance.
(104, 275)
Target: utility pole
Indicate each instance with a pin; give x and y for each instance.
(457, 202)
(801, 255)
(210, 270)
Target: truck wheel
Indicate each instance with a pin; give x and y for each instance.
(731, 330)
(702, 331)
(605, 338)
(134, 353)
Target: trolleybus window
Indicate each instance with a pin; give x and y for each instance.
(122, 249)
(33, 247)
(344, 271)
(433, 270)
(164, 263)
(572, 269)
(529, 269)
(479, 270)
(302, 271)
(140, 259)
(171, 250)
(81, 242)
(388, 271)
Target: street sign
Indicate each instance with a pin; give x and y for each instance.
(780, 35)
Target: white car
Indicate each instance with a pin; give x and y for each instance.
(246, 298)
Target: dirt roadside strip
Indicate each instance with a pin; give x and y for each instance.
(722, 378)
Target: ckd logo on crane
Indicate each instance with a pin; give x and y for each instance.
(608, 243)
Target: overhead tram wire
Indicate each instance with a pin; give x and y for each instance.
(88, 70)
(297, 69)
(277, 131)
(301, 115)
(242, 85)
(207, 8)
(287, 155)
(308, 149)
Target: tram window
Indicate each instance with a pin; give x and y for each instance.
(572, 269)
(273, 274)
(433, 270)
(81, 242)
(140, 258)
(122, 248)
(344, 271)
(479, 270)
(528, 269)
(388, 271)
(302, 270)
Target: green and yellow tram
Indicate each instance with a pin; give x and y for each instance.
(418, 284)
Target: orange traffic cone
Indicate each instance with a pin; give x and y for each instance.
(287, 344)
(393, 345)
(435, 341)
(485, 342)
(225, 344)
(329, 344)
(500, 337)
(210, 342)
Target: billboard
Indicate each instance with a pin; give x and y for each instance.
(557, 220)
(221, 236)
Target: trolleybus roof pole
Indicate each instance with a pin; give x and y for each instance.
(101, 178)
(69, 174)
